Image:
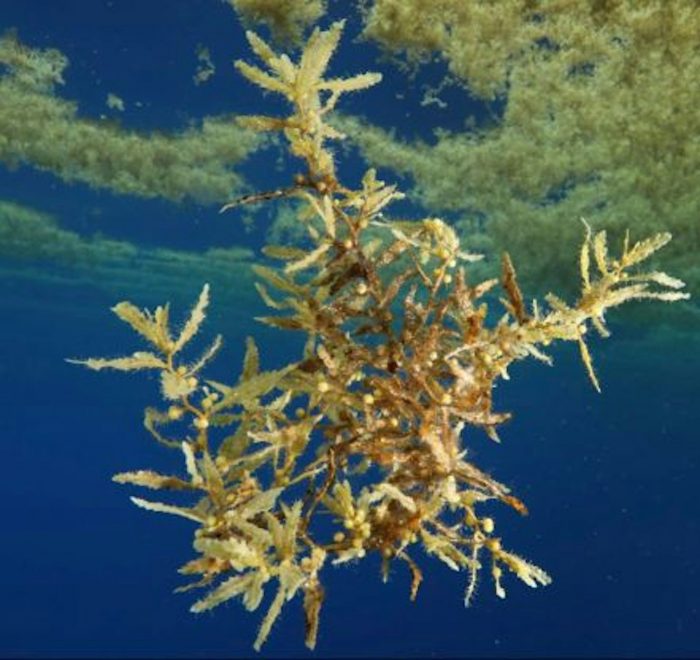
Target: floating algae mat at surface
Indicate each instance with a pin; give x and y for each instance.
(366, 427)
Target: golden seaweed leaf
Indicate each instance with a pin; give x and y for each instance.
(247, 558)
(238, 553)
(510, 284)
(533, 576)
(293, 437)
(150, 479)
(207, 356)
(284, 536)
(153, 418)
(290, 575)
(282, 322)
(643, 249)
(160, 507)
(317, 54)
(261, 79)
(283, 252)
(600, 252)
(151, 326)
(445, 550)
(235, 445)
(249, 390)
(325, 211)
(588, 362)
(343, 85)
(139, 360)
(585, 262)
(259, 123)
(191, 464)
(396, 494)
(278, 280)
(313, 600)
(248, 584)
(251, 360)
(250, 461)
(374, 196)
(662, 279)
(259, 503)
(267, 298)
(291, 578)
(557, 304)
(309, 259)
(194, 321)
(341, 501)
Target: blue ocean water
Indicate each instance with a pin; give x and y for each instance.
(610, 480)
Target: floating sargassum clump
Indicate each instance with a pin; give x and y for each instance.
(368, 428)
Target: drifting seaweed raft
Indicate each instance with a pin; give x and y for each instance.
(368, 425)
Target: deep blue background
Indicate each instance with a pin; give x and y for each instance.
(611, 480)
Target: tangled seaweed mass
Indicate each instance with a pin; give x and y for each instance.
(358, 447)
